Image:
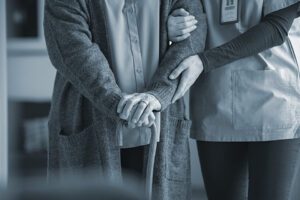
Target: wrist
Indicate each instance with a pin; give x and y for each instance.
(204, 61)
(156, 104)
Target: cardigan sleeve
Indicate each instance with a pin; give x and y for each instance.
(162, 87)
(76, 57)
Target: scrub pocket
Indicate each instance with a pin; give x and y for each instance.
(261, 101)
(80, 150)
(178, 153)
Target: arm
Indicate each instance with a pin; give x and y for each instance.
(162, 87)
(272, 31)
(76, 57)
(160, 93)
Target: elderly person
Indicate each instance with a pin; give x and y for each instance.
(245, 106)
(109, 56)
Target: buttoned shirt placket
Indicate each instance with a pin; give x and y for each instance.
(129, 10)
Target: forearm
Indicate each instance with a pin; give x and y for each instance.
(74, 55)
(162, 87)
(272, 31)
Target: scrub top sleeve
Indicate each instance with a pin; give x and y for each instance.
(275, 5)
(272, 31)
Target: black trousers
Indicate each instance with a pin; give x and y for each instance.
(253, 170)
(132, 161)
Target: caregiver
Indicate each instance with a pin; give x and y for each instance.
(246, 104)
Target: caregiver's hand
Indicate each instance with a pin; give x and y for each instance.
(189, 69)
(180, 25)
(138, 109)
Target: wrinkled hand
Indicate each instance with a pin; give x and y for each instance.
(180, 25)
(189, 69)
(138, 109)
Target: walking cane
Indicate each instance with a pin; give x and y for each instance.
(151, 160)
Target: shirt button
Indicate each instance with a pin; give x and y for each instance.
(130, 10)
(138, 70)
(134, 39)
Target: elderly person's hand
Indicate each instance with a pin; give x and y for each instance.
(138, 109)
(188, 70)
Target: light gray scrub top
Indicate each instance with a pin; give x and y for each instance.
(252, 99)
(133, 27)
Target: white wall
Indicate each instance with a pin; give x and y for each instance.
(3, 97)
(30, 77)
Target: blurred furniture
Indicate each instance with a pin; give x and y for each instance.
(28, 139)
(30, 77)
(25, 26)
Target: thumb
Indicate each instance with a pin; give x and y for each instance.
(180, 12)
(176, 73)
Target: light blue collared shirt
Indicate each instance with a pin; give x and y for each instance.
(133, 27)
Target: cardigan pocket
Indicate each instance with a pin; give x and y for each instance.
(261, 101)
(80, 150)
(178, 153)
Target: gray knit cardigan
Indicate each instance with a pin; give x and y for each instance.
(83, 117)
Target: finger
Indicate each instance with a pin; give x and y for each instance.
(180, 12)
(128, 107)
(187, 87)
(139, 111)
(149, 122)
(151, 119)
(122, 103)
(145, 114)
(131, 125)
(144, 123)
(187, 30)
(180, 38)
(176, 72)
(180, 89)
(184, 19)
(188, 24)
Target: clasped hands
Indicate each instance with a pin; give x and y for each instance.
(138, 108)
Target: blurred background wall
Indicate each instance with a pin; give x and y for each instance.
(3, 96)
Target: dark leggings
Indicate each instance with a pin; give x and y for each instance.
(254, 170)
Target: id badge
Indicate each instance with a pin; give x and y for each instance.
(229, 13)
